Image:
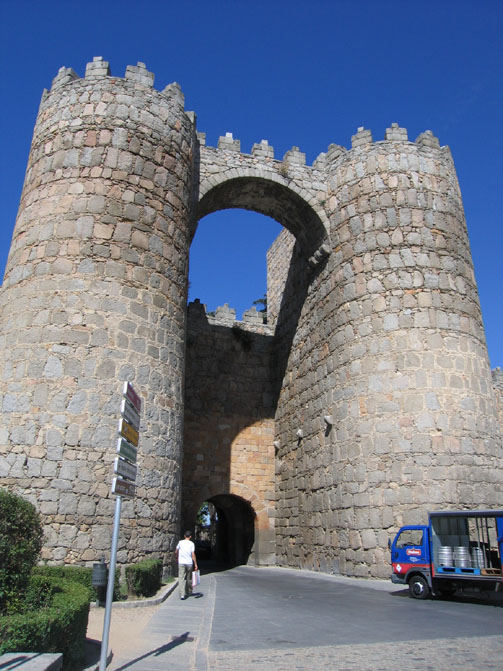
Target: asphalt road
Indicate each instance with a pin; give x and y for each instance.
(284, 619)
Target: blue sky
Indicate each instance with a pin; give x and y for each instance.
(294, 73)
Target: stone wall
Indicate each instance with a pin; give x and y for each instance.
(279, 259)
(229, 418)
(497, 374)
(94, 294)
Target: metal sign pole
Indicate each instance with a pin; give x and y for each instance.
(110, 586)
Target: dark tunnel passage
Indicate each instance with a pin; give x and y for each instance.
(234, 530)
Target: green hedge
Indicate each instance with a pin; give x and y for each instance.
(20, 542)
(144, 578)
(58, 626)
(80, 574)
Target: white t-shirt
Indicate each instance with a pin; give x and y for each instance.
(185, 549)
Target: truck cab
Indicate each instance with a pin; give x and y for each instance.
(411, 560)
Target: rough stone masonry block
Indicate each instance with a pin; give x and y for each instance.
(362, 137)
(97, 68)
(228, 143)
(140, 74)
(396, 133)
(31, 661)
(263, 149)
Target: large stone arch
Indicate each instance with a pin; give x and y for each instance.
(285, 191)
(227, 432)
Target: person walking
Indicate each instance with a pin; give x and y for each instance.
(185, 552)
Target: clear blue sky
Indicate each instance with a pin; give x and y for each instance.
(294, 73)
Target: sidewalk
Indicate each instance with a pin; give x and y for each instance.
(176, 636)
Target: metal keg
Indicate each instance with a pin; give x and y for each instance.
(478, 558)
(461, 556)
(445, 556)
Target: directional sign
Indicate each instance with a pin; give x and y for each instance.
(127, 450)
(129, 433)
(130, 394)
(123, 488)
(125, 469)
(129, 412)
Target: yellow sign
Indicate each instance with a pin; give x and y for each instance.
(129, 432)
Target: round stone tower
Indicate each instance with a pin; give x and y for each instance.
(412, 396)
(387, 408)
(94, 294)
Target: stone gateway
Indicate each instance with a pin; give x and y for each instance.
(365, 400)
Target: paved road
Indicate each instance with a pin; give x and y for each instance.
(272, 619)
(281, 619)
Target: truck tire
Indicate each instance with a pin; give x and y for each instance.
(418, 587)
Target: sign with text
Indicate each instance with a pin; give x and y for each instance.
(128, 411)
(132, 396)
(122, 487)
(129, 432)
(125, 469)
(127, 450)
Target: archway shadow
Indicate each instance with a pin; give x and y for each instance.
(209, 566)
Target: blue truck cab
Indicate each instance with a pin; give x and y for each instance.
(457, 550)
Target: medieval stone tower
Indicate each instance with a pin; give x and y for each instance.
(366, 400)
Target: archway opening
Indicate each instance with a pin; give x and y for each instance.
(228, 259)
(232, 530)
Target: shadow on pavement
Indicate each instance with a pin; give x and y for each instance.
(494, 599)
(178, 640)
(207, 566)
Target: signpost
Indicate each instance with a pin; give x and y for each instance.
(123, 485)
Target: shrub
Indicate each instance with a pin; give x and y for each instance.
(38, 594)
(59, 626)
(20, 544)
(144, 578)
(80, 574)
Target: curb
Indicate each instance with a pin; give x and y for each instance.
(152, 601)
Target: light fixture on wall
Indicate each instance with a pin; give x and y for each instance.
(328, 420)
(300, 434)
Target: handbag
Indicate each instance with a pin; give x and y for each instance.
(196, 578)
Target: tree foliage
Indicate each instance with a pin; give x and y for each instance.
(203, 515)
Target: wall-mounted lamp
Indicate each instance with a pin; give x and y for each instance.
(300, 434)
(276, 445)
(328, 420)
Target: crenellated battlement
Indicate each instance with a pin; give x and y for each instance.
(361, 140)
(99, 69)
(497, 375)
(138, 74)
(252, 320)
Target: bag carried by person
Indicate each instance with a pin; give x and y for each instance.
(196, 578)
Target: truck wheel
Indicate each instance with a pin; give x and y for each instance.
(418, 587)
